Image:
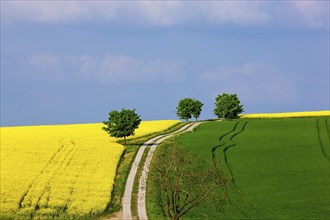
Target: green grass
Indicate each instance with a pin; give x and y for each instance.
(123, 169)
(280, 167)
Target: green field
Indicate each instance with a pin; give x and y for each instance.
(280, 167)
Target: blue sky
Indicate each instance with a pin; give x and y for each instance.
(74, 61)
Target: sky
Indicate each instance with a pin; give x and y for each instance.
(68, 62)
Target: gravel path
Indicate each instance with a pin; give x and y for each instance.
(127, 214)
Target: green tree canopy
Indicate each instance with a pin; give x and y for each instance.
(227, 106)
(122, 124)
(197, 109)
(188, 108)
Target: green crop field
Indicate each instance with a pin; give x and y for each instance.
(280, 167)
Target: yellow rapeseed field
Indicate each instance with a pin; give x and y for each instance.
(62, 171)
(287, 114)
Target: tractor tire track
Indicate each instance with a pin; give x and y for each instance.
(226, 145)
(224, 135)
(56, 162)
(227, 164)
(327, 127)
(20, 204)
(230, 146)
(64, 166)
(318, 129)
(218, 146)
(233, 133)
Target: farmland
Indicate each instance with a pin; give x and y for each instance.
(288, 114)
(279, 167)
(63, 171)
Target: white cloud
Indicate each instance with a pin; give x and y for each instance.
(158, 13)
(240, 12)
(253, 81)
(119, 68)
(125, 69)
(315, 13)
(168, 13)
(111, 69)
(56, 11)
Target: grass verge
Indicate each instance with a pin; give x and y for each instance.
(123, 170)
(154, 201)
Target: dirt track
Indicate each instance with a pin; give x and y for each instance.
(126, 213)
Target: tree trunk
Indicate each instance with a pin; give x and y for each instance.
(176, 216)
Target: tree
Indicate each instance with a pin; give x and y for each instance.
(185, 108)
(122, 124)
(227, 106)
(197, 109)
(188, 108)
(185, 183)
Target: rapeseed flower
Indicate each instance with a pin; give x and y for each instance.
(62, 170)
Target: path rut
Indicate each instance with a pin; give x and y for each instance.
(142, 212)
